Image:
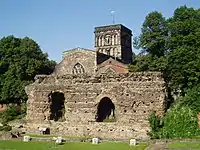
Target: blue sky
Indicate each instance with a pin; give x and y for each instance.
(58, 25)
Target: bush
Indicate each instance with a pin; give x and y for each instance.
(10, 114)
(178, 122)
(155, 125)
(192, 98)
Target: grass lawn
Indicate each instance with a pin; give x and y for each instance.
(186, 145)
(19, 145)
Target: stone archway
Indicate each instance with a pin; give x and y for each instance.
(57, 106)
(105, 110)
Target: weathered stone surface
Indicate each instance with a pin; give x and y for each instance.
(135, 96)
(71, 100)
(86, 58)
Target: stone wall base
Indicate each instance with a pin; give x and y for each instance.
(101, 130)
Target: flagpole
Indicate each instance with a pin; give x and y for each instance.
(113, 16)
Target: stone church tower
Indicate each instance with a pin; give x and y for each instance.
(113, 41)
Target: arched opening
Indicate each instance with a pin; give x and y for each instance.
(78, 69)
(57, 106)
(105, 110)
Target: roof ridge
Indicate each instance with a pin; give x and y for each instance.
(77, 49)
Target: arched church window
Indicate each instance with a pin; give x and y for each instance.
(78, 69)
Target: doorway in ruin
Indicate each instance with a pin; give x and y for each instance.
(105, 110)
(57, 106)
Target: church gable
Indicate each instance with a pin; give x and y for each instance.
(77, 61)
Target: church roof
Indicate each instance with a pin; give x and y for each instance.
(78, 49)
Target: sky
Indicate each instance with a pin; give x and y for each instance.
(59, 25)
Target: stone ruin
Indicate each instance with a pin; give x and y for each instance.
(91, 93)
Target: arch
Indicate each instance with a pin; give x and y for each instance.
(116, 39)
(115, 52)
(108, 51)
(99, 41)
(78, 69)
(111, 51)
(96, 41)
(113, 39)
(102, 40)
(99, 50)
(104, 51)
(105, 110)
(57, 106)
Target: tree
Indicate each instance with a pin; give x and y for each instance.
(152, 42)
(148, 62)
(183, 68)
(154, 34)
(171, 46)
(20, 61)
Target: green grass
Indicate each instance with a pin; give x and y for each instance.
(19, 145)
(188, 145)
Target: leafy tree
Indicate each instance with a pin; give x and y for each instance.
(183, 68)
(184, 58)
(20, 61)
(184, 27)
(171, 46)
(154, 34)
(148, 62)
(152, 42)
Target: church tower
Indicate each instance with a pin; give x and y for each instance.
(113, 41)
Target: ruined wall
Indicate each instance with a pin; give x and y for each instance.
(86, 58)
(135, 96)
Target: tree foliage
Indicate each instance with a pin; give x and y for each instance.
(171, 46)
(20, 61)
(154, 34)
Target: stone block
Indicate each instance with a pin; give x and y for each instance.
(59, 140)
(26, 138)
(133, 142)
(95, 141)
